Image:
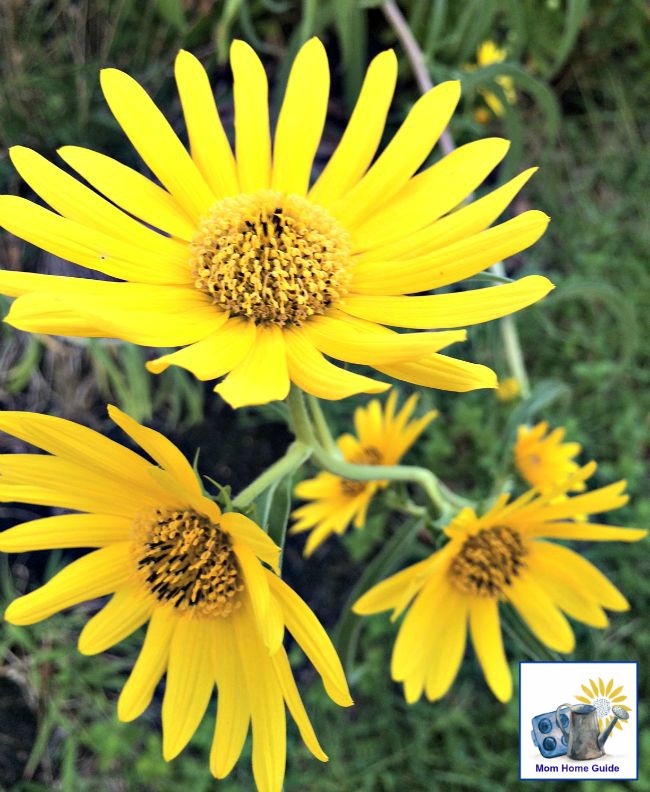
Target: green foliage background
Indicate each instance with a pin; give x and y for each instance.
(581, 70)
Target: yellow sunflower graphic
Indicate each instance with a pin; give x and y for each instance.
(258, 272)
(604, 697)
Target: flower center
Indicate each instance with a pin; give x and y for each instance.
(603, 707)
(187, 562)
(488, 562)
(270, 257)
(366, 456)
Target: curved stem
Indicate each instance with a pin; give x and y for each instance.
(295, 455)
(302, 428)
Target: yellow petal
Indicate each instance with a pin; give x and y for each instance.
(540, 614)
(591, 580)
(131, 190)
(358, 145)
(599, 500)
(312, 639)
(149, 667)
(301, 119)
(127, 610)
(156, 142)
(432, 193)
(181, 498)
(90, 247)
(233, 708)
(294, 702)
(78, 444)
(449, 638)
(66, 530)
(96, 574)
(485, 631)
(587, 532)
(262, 376)
(461, 224)
(208, 142)
(585, 700)
(404, 154)
(312, 373)
(139, 313)
(566, 591)
(159, 448)
(252, 134)
(449, 310)
(414, 642)
(587, 691)
(609, 687)
(51, 481)
(245, 531)
(67, 196)
(356, 341)
(452, 263)
(266, 705)
(601, 686)
(390, 592)
(256, 587)
(442, 372)
(41, 313)
(214, 355)
(190, 682)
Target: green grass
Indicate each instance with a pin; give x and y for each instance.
(584, 346)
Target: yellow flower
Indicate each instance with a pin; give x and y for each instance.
(383, 438)
(257, 272)
(508, 389)
(499, 557)
(487, 54)
(168, 556)
(604, 698)
(544, 461)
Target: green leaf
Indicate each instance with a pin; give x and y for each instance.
(279, 510)
(172, 12)
(347, 631)
(351, 28)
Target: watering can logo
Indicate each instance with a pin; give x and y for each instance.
(581, 730)
(584, 739)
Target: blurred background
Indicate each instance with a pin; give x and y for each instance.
(570, 90)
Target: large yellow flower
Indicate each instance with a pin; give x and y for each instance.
(500, 556)
(383, 438)
(257, 274)
(543, 460)
(216, 615)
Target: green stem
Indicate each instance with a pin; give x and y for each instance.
(297, 453)
(302, 428)
(511, 344)
(321, 426)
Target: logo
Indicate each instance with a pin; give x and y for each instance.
(576, 725)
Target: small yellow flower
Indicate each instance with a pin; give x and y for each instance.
(508, 389)
(383, 438)
(499, 557)
(604, 697)
(487, 54)
(170, 558)
(257, 271)
(544, 461)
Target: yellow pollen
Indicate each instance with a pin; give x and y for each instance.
(488, 562)
(186, 561)
(366, 456)
(270, 257)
